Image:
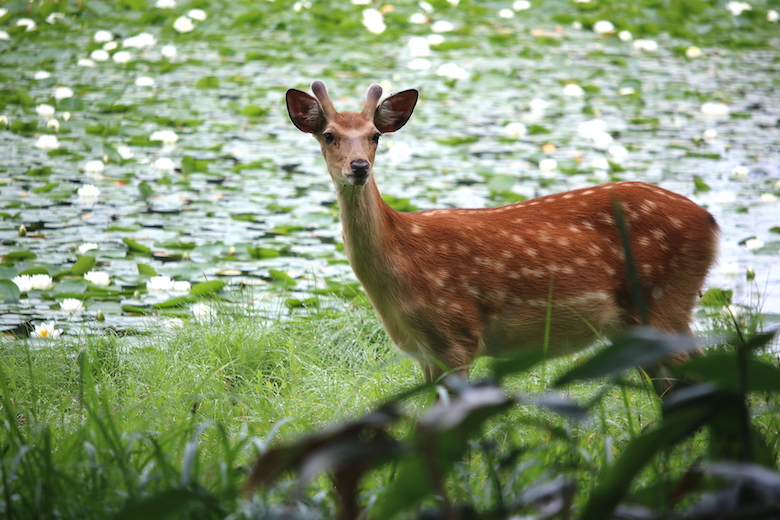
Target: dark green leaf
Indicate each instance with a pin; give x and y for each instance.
(9, 292)
(641, 347)
(135, 247)
(207, 288)
(83, 265)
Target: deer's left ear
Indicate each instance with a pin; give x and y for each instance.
(393, 113)
(305, 112)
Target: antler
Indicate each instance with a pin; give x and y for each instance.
(319, 89)
(372, 98)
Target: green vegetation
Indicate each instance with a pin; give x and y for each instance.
(171, 425)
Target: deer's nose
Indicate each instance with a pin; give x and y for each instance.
(359, 167)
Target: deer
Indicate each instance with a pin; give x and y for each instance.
(548, 270)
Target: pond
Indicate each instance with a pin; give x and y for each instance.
(176, 162)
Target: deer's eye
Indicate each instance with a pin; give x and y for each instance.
(328, 137)
(376, 137)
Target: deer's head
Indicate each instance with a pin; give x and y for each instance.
(349, 139)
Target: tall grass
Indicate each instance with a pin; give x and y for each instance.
(167, 425)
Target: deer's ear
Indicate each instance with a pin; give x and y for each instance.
(305, 112)
(395, 111)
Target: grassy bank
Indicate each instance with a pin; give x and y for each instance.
(169, 424)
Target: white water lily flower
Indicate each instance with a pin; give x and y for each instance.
(159, 283)
(28, 23)
(725, 197)
(548, 164)
(772, 16)
(603, 27)
(300, 5)
(625, 36)
(515, 130)
(122, 57)
(53, 17)
(740, 172)
(110, 46)
(165, 4)
(617, 151)
(168, 51)
(47, 143)
(521, 5)
(374, 21)
(53, 123)
(23, 282)
(435, 39)
(693, 52)
(714, 108)
(710, 135)
(4, 35)
(4, 121)
(506, 13)
(61, 93)
(181, 286)
(203, 312)
(103, 36)
(46, 330)
(65, 116)
(753, 244)
(573, 90)
(588, 128)
(626, 91)
(537, 106)
(125, 152)
(601, 140)
(197, 14)
(442, 26)
(168, 137)
(101, 278)
(399, 152)
(646, 45)
(420, 64)
(737, 8)
(88, 192)
(416, 18)
(99, 55)
(94, 168)
(87, 246)
(418, 46)
(164, 164)
(71, 305)
(452, 71)
(361, 2)
(3, 11)
(45, 111)
(41, 74)
(86, 62)
(183, 24)
(144, 81)
(768, 198)
(599, 163)
(40, 282)
(140, 41)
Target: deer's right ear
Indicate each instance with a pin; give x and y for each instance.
(305, 112)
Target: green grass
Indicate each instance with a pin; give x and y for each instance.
(170, 423)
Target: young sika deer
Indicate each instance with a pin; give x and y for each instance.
(447, 282)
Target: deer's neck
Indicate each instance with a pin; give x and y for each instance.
(368, 226)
